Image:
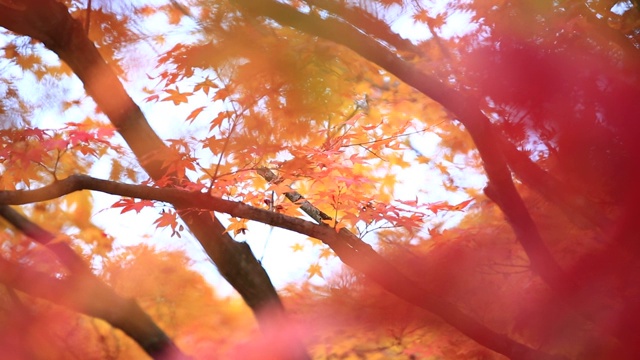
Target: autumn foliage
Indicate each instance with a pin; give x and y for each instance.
(438, 180)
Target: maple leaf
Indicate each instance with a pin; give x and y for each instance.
(33, 132)
(439, 20)
(79, 136)
(178, 163)
(167, 218)
(357, 159)
(105, 132)
(445, 206)
(315, 269)
(280, 187)
(460, 206)
(28, 62)
(11, 51)
(221, 94)
(297, 247)
(421, 16)
(205, 86)
(217, 121)
(335, 225)
(152, 98)
(315, 242)
(170, 219)
(424, 159)
(238, 226)
(443, 168)
(176, 96)
(131, 204)
(438, 206)
(194, 114)
(326, 253)
(30, 155)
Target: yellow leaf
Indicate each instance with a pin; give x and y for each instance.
(326, 253)
(315, 269)
(443, 169)
(314, 241)
(79, 207)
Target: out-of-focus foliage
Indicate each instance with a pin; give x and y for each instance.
(559, 80)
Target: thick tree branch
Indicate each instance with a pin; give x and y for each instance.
(447, 311)
(577, 208)
(84, 292)
(500, 188)
(496, 152)
(349, 248)
(55, 28)
(366, 22)
(65, 254)
(186, 201)
(50, 22)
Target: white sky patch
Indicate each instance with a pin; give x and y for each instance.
(458, 24)
(410, 29)
(622, 7)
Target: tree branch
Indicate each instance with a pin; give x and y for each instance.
(349, 248)
(497, 153)
(84, 292)
(366, 22)
(467, 109)
(50, 22)
(577, 208)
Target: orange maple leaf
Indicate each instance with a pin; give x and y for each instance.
(168, 218)
(131, 204)
(438, 206)
(176, 96)
(326, 253)
(194, 114)
(422, 16)
(205, 86)
(460, 206)
(315, 269)
(336, 225)
(238, 226)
